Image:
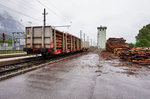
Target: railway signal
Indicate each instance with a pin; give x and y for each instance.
(3, 36)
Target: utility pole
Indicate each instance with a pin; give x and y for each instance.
(84, 41)
(91, 42)
(84, 37)
(81, 34)
(88, 38)
(44, 16)
(81, 38)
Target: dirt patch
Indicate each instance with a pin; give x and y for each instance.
(99, 75)
(89, 66)
(110, 56)
(105, 72)
(128, 72)
(107, 55)
(98, 71)
(128, 64)
(134, 70)
(99, 65)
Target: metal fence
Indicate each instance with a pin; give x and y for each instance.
(17, 45)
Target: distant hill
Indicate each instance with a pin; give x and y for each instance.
(8, 25)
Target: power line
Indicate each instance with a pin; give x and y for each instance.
(29, 8)
(56, 8)
(25, 6)
(19, 12)
(66, 18)
(47, 7)
(43, 4)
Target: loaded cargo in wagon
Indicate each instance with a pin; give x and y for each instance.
(46, 40)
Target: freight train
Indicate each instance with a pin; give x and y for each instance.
(47, 41)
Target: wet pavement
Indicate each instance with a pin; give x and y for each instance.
(87, 76)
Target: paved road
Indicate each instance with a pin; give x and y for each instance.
(84, 77)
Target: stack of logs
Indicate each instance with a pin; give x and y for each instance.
(113, 43)
(136, 55)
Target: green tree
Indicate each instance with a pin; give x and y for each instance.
(131, 45)
(143, 38)
(1, 40)
(143, 43)
(9, 40)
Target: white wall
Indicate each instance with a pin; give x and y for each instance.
(101, 38)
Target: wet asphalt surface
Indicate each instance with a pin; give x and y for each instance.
(87, 76)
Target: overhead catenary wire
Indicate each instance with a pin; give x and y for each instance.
(19, 12)
(28, 8)
(46, 7)
(55, 8)
(54, 12)
(65, 17)
(25, 6)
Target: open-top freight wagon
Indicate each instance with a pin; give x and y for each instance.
(46, 40)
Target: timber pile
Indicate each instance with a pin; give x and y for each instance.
(120, 48)
(113, 43)
(121, 51)
(138, 55)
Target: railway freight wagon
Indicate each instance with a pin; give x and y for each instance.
(49, 41)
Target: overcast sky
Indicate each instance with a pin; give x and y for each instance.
(122, 17)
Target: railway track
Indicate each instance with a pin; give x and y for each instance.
(17, 60)
(12, 55)
(7, 71)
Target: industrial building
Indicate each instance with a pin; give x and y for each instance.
(101, 37)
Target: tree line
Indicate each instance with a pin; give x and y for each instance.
(143, 38)
(7, 41)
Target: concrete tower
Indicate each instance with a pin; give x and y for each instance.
(101, 37)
